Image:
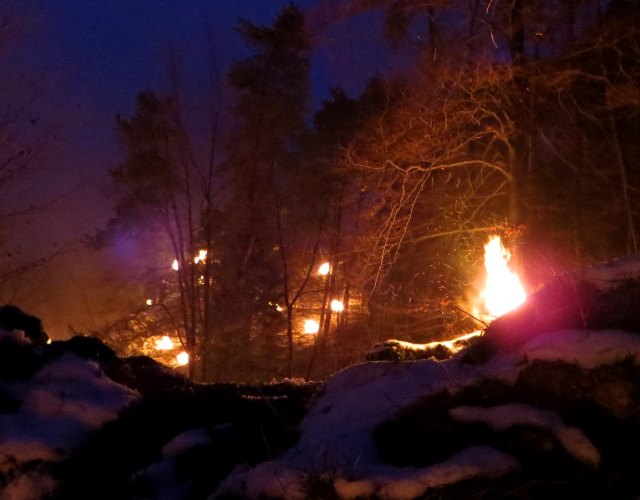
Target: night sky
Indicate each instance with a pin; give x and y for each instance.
(87, 60)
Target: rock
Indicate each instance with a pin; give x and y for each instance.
(87, 347)
(564, 304)
(13, 318)
(570, 430)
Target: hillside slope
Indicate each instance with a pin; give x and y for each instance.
(545, 404)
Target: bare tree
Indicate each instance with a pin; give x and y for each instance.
(26, 138)
(168, 186)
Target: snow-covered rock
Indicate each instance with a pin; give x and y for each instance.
(545, 403)
(52, 412)
(407, 429)
(12, 318)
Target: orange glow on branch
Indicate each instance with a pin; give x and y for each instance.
(503, 291)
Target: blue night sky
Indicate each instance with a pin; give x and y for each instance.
(103, 52)
(86, 61)
(92, 57)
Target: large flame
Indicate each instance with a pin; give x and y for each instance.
(503, 291)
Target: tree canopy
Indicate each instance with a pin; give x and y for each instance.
(517, 119)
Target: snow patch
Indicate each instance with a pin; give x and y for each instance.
(336, 435)
(76, 388)
(162, 478)
(587, 348)
(266, 480)
(14, 336)
(412, 483)
(185, 441)
(502, 417)
(64, 401)
(608, 273)
(337, 429)
(31, 485)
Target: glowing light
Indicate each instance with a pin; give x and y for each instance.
(164, 344)
(324, 269)
(311, 327)
(175, 266)
(149, 302)
(337, 306)
(456, 344)
(503, 291)
(201, 257)
(182, 358)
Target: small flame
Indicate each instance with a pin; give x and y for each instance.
(164, 344)
(503, 291)
(201, 257)
(182, 358)
(337, 305)
(175, 265)
(324, 269)
(311, 327)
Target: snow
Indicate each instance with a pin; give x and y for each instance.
(15, 336)
(587, 348)
(277, 480)
(185, 441)
(336, 435)
(69, 397)
(273, 480)
(163, 476)
(267, 480)
(607, 274)
(412, 482)
(504, 416)
(31, 485)
(337, 428)
(60, 405)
